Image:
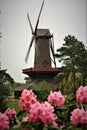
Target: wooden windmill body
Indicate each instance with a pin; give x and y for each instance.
(42, 50)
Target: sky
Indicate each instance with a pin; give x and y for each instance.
(61, 17)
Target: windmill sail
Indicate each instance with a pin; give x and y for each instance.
(26, 58)
(39, 17)
(30, 23)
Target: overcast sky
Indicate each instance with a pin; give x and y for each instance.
(61, 17)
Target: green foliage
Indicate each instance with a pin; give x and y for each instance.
(5, 77)
(21, 114)
(43, 85)
(42, 95)
(53, 128)
(73, 55)
(5, 83)
(13, 104)
(42, 90)
(3, 105)
(4, 92)
(16, 84)
(27, 79)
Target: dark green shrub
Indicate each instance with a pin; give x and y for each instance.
(43, 90)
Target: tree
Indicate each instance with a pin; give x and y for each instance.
(5, 78)
(27, 79)
(81, 62)
(71, 55)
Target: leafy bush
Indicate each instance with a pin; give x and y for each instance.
(43, 90)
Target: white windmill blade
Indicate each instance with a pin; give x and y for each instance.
(27, 55)
(52, 50)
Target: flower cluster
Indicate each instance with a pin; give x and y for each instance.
(33, 115)
(6, 118)
(43, 112)
(56, 99)
(47, 114)
(11, 113)
(27, 98)
(4, 121)
(81, 94)
(78, 116)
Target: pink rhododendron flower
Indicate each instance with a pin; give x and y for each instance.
(25, 119)
(11, 113)
(34, 112)
(56, 99)
(62, 126)
(47, 115)
(43, 112)
(4, 122)
(78, 116)
(81, 94)
(27, 98)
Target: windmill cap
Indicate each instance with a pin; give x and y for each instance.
(43, 32)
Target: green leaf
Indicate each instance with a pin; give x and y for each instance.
(53, 128)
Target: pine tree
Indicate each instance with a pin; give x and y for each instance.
(73, 55)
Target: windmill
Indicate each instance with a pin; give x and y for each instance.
(43, 45)
(43, 70)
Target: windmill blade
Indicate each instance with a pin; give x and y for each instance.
(30, 23)
(39, 16)
(26, 58)
(52, 50)
(51, 47)
(53, 56)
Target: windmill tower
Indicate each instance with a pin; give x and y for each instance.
(44, 45)
(42, 50)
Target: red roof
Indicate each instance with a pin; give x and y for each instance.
(40, 70)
